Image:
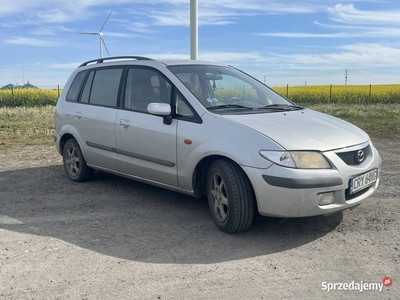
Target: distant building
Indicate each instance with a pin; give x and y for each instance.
(29, 86)
(11, 86)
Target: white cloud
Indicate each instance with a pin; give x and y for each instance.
(370, 32)
(18, 6)
(223, 57)
(372, 54)
(223, 12)
(49, 30)
(118, 34)
(230, 56)
(306, 35)
(70, 66)
(358, 57)
(55, 16)
(167, 12)
(349, 14)
(139, 27)
(19, 40)
(314, 68)
(352, 23)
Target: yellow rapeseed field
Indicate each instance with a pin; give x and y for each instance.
(28, 97)
(351, 94)
(324, 94)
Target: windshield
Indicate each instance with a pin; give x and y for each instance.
(219, 88)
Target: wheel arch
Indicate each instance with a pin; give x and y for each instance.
(199, 179)
(64, 139)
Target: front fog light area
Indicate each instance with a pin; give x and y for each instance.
(326, 198)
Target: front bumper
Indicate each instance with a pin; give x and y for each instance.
(285, 192)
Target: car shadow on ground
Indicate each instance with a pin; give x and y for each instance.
(134, 221)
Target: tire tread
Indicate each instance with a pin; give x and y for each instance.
(85, 172)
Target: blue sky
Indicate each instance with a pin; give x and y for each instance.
(284, 41)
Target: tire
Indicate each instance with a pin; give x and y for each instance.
(74, 162)
(230, 196)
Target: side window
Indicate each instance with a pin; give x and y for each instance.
(145, 86)
(76, 86)
(181, 108)
(86, 90)
(104, 87)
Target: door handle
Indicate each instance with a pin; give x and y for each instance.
(124, 123)
(78, 115)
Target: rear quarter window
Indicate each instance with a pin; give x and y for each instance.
(76, 85)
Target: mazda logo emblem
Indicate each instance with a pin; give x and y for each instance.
(360, 156)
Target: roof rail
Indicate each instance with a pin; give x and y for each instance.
(101, 60)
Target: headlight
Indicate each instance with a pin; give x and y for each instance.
(297, 159)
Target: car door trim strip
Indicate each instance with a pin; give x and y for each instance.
(102, 147)
(147, 158)
(134, 155)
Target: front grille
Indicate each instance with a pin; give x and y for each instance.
(351, 157)
(355, 195)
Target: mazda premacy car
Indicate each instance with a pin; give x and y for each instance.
(205, 129)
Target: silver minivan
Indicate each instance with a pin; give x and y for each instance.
(206, 129)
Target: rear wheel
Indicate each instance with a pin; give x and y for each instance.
(74, 162)
(230, 196)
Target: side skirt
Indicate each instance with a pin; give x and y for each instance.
(144, 180)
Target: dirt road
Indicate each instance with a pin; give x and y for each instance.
(113, 238)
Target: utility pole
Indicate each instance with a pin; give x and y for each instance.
(23, 75)
(264, 78)
(194, 30)
(346, 77)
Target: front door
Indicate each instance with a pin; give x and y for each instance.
(145, 146)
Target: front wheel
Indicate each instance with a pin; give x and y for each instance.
(230, 196)
(74, 162)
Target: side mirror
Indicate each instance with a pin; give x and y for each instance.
(162, 110)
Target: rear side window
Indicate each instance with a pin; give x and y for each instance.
(75, 87)
(88, 86)
(102, 87)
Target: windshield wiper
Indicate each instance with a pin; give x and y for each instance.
(281, 107)
(228, 106)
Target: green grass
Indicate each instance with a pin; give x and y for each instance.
(20, 126)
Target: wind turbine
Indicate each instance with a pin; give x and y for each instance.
(101, 36)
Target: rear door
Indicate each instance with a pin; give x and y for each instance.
(95, 116)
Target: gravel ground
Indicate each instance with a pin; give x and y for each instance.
(113, 238)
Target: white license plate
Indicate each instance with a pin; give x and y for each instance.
(362, 181)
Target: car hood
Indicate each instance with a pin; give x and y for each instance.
(303, 129)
